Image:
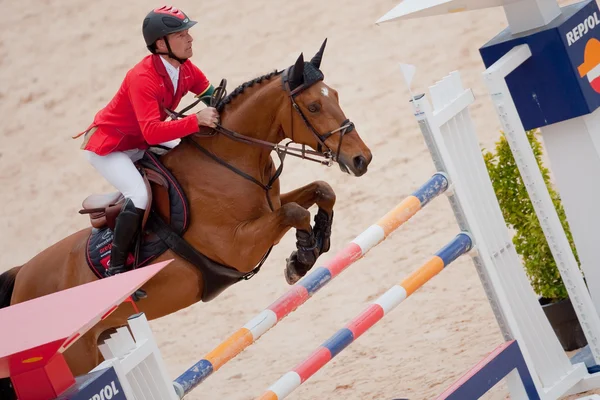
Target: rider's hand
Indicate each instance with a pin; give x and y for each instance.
(208, 117)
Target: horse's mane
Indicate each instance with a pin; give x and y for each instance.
(240, 89)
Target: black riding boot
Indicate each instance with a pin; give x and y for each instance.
(127, 226)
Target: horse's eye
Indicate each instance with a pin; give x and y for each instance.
(314, 107)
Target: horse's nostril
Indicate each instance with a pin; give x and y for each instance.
(360, 163)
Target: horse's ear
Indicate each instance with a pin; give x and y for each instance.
(316, 60)
(298, 71)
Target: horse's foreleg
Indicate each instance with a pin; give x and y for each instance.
(253, 238)
(313, 243)
(322, 194)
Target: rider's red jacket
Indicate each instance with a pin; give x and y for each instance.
(135, 117)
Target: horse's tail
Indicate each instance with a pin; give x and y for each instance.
(7, 285)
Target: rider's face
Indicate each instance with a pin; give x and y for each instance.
(181, 44)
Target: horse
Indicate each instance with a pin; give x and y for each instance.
(233, 211)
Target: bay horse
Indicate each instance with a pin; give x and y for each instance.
(236, 212)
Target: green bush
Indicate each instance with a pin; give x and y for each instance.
(529, 240)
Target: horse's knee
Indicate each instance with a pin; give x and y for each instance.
(325, 193)
(296, 216)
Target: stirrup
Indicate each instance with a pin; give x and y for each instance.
(139, 294)
(112, 271)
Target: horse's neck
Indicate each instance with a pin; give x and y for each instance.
(256, 113)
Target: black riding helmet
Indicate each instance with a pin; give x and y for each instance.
(162, 21)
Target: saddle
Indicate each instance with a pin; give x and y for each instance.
(104, 208)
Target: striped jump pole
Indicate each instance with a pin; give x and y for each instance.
(308, 286)
(461, 244)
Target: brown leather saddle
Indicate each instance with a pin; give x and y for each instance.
(104, 208)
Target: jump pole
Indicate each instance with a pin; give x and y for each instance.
(308, 286)
(460, 245)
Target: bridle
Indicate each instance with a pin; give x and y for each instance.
(347, 125)
(326, 157)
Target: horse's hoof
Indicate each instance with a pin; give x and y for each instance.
(324, 246)
(291, 275)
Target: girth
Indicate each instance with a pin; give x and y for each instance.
(217, 277)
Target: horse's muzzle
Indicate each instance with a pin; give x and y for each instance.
(360, 165)
(357, 167)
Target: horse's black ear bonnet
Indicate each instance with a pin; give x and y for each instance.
(307, 73)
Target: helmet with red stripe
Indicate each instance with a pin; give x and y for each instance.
(163, 21)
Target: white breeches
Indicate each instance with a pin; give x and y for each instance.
(118, 169)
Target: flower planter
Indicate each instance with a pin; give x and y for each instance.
(564, 321)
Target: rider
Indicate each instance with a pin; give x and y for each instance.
(135, 118)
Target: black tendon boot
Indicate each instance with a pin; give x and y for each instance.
(127, 226)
